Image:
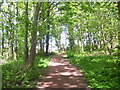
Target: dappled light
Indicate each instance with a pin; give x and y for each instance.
(59, 45)
(100, 70)
(62, 74)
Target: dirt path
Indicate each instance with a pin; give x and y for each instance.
(61, 74)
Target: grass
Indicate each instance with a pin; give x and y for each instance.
(16, 74)
(101, 71)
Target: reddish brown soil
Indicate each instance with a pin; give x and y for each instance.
(61, 74)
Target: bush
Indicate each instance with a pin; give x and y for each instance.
(101, 71)
(16, 74)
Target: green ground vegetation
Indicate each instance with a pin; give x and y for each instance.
(101, 71)
(15, 73)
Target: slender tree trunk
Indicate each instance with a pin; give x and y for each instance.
(111, 44)
(2, 40)
(16, 41)
(100, 45)
(82, 45)
(119, 28)
(12, 41)
(0, 5)
(82, 41)
(95, 42)
(47, 44)
(90, 43)
(41, 48)
(1, 49)
(95, 45)
(47, 35)
(71, 39)
(11, 34)
(8, 51)
(104, 40)
(34, 34)
(104, 43)
(51, 44)
(43, 42)
(119, 34)
(26, 32)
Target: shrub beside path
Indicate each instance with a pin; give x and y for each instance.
(61, 74)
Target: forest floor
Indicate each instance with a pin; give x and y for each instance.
(61, 74)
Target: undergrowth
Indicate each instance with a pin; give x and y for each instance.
(16, 74)
(101, 71)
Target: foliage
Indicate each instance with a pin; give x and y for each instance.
(31, 27)
(101, 71)
(17, 74)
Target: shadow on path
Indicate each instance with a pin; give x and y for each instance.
(61, 74)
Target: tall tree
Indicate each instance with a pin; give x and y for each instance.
(48, 28)
(3, 40)
(119, 34)
(26, 32)
(34, 34)
(119, 8)
(119, 26)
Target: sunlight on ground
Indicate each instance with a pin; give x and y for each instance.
(55, 64)
(66, 76)
(61, 74)
(66, 73)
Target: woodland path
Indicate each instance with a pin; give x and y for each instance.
(61, 74)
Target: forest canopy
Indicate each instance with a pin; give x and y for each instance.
(30, 31)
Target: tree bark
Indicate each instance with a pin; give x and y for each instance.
(71, 38)
(0, 6)
(2, 40)
(90, 42)
(47, 35)
(119, 8)
(26, 32)
(82, 41)
(119, 34)
(119, 27)
(34, 34)
(16, 41)
(47, 44)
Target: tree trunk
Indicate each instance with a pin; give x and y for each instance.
(8, 41)
(2, 40)
(82, 41)
(0, 5)
(43, 42)
(34, 34)
(82, 45)
(104, 40)
(105, 44)
(111, 44)
(12, 41)
(71, 38)
(100, 45)
(119, 34)
(71, 41)
(119, 8)
(90, 43)
(26, 32)
(47, 44)
(41, 46)
(16, 42)
(119, 28)
(47, 35)
(95, 42)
